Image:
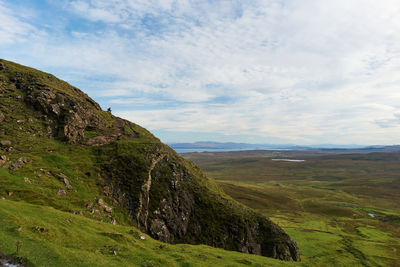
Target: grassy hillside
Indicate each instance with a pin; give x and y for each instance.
(54, 230)
(77, 184)
(49, 237)
(343, 210)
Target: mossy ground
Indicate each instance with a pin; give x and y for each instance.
(324, 203)
(73, 240)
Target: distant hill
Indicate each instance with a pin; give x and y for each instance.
(204, 145)
(243, 146)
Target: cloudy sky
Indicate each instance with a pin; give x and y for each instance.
(268, 71)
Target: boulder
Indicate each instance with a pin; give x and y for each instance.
(63, 178)
(89, 205)
(3, 160)
(41, 229)
(104, 206)
(67, 184)
(96, 211)
(113, 221)
(107, 209)
(61, 192)
(107, 191)
(2, 117)
(22, 160)
(19, 164)
(5, 143)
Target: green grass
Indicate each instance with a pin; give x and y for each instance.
(73, 240)
(322, 203)
(40, 211)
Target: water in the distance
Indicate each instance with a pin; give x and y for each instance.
(188, 150)
(290, 160)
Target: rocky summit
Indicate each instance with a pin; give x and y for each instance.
(76, 157)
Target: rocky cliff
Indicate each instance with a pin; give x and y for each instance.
(163, 194)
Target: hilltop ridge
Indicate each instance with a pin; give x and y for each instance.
(59, 149)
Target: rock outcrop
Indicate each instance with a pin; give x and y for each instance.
(64, 179)
(5, 143)
(67, 118)
(166, 196)
(172, 200)
(67, 114)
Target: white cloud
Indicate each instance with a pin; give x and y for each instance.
(12, 28)
(137, 101)
(308, 71)
(100, 12)
(393, 122)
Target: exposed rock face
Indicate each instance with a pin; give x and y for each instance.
(67, 119)
(169, 201)
(166, 196)
(69, 114)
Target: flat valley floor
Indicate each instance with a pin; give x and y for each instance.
(342, 208)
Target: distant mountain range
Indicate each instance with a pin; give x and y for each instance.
(204, 145)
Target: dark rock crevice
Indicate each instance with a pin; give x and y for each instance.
(144, 196)
(178, 207)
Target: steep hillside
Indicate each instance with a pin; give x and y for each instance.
(59, 149)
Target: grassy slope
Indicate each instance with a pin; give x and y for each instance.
(322, 203)
(73, 240)
(76, 240)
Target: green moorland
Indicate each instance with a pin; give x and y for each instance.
(46, 220)
(342, 209)
(53, 230)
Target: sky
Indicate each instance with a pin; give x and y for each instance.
(260, 71)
